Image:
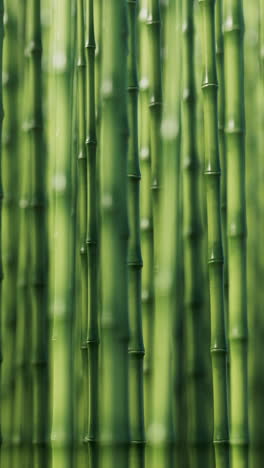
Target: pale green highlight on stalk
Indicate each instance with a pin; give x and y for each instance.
(236, 229)
(63, 237)
(163, 432)
(154, 72)
(215, 250)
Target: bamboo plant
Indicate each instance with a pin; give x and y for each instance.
(195, 311)
(10, 217)
(236, 228)
(92, 234)
(114, 414)
(82, 214)
(23, 383)
(38, 215)
(155, 107)
(136, 346)
(154, 71)
(63, 273)
(215, 249)
(162, 429)
(221, 136)
(146, 219)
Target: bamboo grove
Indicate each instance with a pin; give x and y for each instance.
(131, 226)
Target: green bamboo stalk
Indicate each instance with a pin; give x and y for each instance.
(146, 222)
(222, 154)
(261, 16)
(199, 430)
(154, 68)
(155, 105)
(23, 385)
(1, 122)
(91, 141)
(98, 53)
(82, 212)
(38, 248)
(255, 301)
(10, 217)
(63, 275)
(254, 203)
(114, 424)
(221, 137)
(236, 228)
(162, 430)
(215, 251)
(136, 346)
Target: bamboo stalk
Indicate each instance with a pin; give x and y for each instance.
(254, 187)
(39, 246)
(23, 385)
(162, 430)
(92, 234)
(252, 13)
(10, 218)
(146, 222)
(154, 69)
(155, 105)
(64, 236)
(136, 346)
(236, 228)
(82, 214)
(114, 414)
(215, 251)
(199, 430)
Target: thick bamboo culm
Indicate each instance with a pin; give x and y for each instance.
(195, 310)
(39, 247)
(63, 273)
(114, 433)
(136, 346)
(92, 228)
(236, 229)
(82, 219)
(215, 249)
(146, 221)
(10, 217)
(131, 292)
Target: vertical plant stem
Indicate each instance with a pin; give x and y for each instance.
(146, 222)
(23, 384)
(92, 286)
(222, 155)
(10, 218)
(39, 265)
(64, 236)
(155, 103)
(114, 424)
(162, 429)
(236, 229)
(82, 212)
(199, 435)
(136, 346)
(215, 250)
